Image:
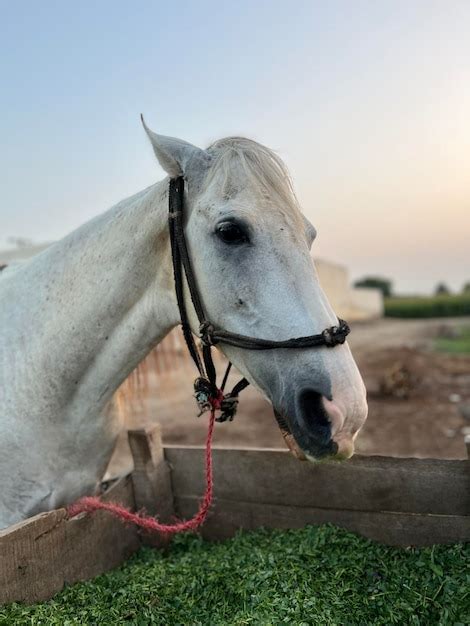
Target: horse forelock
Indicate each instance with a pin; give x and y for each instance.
(238, 162)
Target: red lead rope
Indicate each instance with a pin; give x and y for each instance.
(90, 504)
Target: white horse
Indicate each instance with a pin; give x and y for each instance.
(76, 319)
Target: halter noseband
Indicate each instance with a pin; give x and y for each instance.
(207, 394)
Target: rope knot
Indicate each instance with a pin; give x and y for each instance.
(206, 332)
(328, 336)
(203, 393)
(208, 397)
(217, 401)
(336, 335)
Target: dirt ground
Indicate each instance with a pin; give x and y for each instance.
(417, 398)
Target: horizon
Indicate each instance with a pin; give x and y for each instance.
(367, 105)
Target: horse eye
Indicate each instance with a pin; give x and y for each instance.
(231, 233)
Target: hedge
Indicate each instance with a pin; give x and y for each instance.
(422, 306)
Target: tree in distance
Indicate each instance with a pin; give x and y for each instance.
(442, 290)
(376, 282)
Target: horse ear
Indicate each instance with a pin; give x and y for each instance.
(176, 156)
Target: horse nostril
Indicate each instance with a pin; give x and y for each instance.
(314, 417)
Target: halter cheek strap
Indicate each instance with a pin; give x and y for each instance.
(206, 392)
(208, 395)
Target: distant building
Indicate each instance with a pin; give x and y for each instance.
(13, 255)
(350, 303)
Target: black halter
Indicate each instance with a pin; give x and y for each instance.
(206, 391)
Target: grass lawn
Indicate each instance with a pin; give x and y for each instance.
(317, 575)
(455, 345)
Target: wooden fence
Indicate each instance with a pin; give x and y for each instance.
(395, 501)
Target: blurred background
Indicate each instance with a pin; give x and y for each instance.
(368, 104)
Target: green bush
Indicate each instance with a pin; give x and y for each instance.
(435, 306)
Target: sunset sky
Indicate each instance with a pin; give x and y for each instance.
(367, 102)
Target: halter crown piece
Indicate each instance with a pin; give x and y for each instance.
(207, 394)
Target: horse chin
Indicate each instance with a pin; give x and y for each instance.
(344, 450)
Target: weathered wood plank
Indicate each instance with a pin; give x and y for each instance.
(151, 480)
(362, 483)
(395, 529)
(41, 555)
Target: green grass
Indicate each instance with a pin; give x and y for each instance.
(422, 306)
(317, 575)
(455, 345)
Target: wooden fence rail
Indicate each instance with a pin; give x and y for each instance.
(396, 501)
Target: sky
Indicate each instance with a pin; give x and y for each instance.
(367, 102)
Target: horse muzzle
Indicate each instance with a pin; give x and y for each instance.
(313, 427)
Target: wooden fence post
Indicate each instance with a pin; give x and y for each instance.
(151, 479)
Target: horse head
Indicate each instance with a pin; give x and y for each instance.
(249, 246)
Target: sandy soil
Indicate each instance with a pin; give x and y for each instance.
(426, 423)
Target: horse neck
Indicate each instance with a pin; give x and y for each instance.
(100, 300)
